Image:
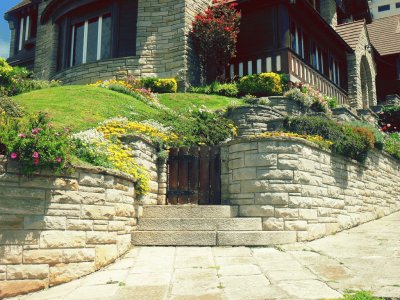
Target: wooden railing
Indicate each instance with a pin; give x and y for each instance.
(307, 74)
(288, 62)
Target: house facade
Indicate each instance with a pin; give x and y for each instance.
(82, 41)
(384, 8)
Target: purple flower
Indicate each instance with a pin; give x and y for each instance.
(35, 155)
(14, 155)
(58, 159)
(35, 131)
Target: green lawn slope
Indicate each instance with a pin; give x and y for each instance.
(83, 107)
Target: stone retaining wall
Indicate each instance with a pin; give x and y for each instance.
(295, 186)
(56, 229)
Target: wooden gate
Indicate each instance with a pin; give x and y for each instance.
(194, 176)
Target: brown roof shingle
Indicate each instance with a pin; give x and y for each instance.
(351, 32)
(20, 5)
(385, 35)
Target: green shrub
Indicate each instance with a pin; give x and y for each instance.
(360, 295)
(347, 141)
(9, 107)
(298, 96)
(223, 89)
(158, 85)
(378, 135)
(264, 84)
(23, 85)
(91, 155)
(332, 101)
(38, 145)
(392, 145)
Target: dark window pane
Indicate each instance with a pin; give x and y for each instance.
(92, 40)
(78, 44)
(397, 4)
(106, 37)
(384, 7)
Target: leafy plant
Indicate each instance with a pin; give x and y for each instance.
(392, 145)
(389, 119)
(9, 107)
(378, 135)
(360, 295)
(297, 95)
(215, 34)
(157, 85)
(264, 84)
(223, 89)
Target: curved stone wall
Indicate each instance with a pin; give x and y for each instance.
(56, 229)
(296, 186)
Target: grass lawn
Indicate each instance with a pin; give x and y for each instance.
(83, 107)
(182, 101)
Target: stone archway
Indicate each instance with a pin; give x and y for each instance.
(366, 83)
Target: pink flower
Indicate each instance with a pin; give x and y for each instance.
(35, 155)
(58, 159)
(35, 131)
(14, 155)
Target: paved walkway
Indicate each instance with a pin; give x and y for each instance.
(363, 258)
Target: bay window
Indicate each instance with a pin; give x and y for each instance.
(297, 39)
(335, 71)
(26, 29)
(91, 40)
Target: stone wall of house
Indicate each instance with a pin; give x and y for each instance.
(295, 186)
(359, 97)
(146, 155)
(329, 12)
(163, 47)
(54, 229)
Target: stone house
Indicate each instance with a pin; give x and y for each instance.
(321, 42)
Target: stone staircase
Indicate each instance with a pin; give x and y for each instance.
(194, 225)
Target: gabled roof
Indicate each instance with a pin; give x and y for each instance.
(351, 32)
(385, 35)
(20, 5)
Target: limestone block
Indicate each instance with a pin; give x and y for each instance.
(274, 174)
(105, 254)
(256, 211)
(124, 210)
(18, 287)
(73, 197)
(273, 224)
(314, 231)
(98, 212)
(19, 237)
(11, 222)
(62, 239)
(77, 224)
(284, 188)
(242, 147)
(43, 256)
(45, 222)
(78, 255)
(3, 272)
(308, 214)
(15, 272)
(116, 226)
(260, 159)
(296, 225)
(62, 273)
(244, 174)
(27, 206)
(10, 254)
(94, 237)
(272, 198)
(123, 243)
(254, 186)
(287, 213)
(96, 180)
(24, 193)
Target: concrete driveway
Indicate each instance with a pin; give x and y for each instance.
(362, 258)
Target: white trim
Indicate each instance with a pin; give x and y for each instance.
(296, 32)
(232, 71)
(27, 28)
(71, 62)
(21, 32)
(278, 63)
(269, 64)
(85, 37)
(99, 37)
(241, 69)
(259, 66)
(250, 67)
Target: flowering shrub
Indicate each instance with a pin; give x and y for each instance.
(158, 85)
(264, 84)
(319, 102)
(37, 145)
(215, 34)
(316, 139)
(389, 119)
(297, 95)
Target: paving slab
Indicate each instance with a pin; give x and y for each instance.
(362, 258)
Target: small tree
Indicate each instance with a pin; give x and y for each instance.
(215, 34)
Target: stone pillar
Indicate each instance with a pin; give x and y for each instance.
(328, 12)
(46, 47)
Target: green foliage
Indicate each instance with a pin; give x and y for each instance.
(392, 145)
(89, 153)
(378, 135)
(332, 102)
(297, 95)
(360, 295)
(22, 85)
(222, 89)
(347, 141)
(389, 119)
(37, 145)
(158, 85)
(9, 107)
(264, 84)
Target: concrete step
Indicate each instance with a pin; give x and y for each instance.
(200, 224)
(189, 211)
(212, 238)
